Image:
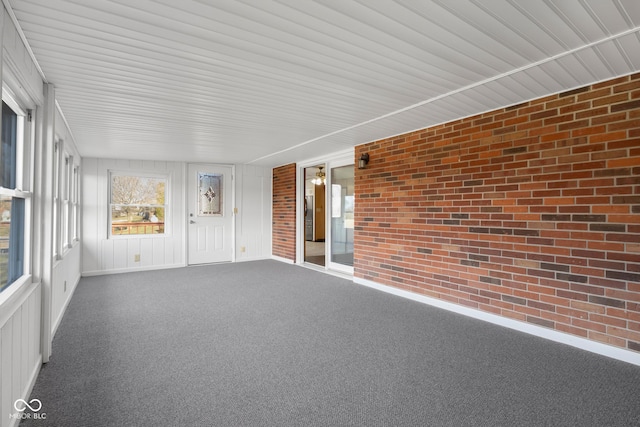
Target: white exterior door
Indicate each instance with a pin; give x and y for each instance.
(210, 213)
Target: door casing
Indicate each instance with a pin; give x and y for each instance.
(342, 158)
(215, 247)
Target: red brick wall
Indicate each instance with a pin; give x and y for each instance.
(284, 212)
(531, 212)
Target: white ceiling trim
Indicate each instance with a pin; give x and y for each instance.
(14, 19)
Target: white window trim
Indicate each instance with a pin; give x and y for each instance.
(23, 190)
(167, 203)
(57, 153)
(332, 160)
(75, 230)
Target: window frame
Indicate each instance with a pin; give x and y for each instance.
(57, 233)
(65, 200)
(166, 206)
(24, 170)
(75, 202)
(65, 217)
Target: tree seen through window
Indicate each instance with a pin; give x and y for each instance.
(138, 205)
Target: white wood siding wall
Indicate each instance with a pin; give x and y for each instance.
(21, 313)
(253, 221)
(20, 355)
(65, 278)
(66, 270)
(102, 254)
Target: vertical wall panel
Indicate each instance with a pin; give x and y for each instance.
(107, 255)
(133, 249)
(173, 251)
(65, 277)
(253, 221)
(90, 222)
(6, 368)
(120, 254)
(16, 353)
(24, 343)
(37, 322)
(147, 254)
(20, 355)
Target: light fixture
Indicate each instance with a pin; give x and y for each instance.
(364, 160)
(320, 178)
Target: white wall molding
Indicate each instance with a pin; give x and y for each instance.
(260, 258)
(281, 259)
(130, 270)
(560, 337)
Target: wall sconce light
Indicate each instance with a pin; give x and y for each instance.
(364, 159)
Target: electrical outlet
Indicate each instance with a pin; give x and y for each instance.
(136, 258)
(243, 249)
(65, 286)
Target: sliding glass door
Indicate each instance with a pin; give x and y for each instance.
(326, 215)
(341, 204)
(315, 215)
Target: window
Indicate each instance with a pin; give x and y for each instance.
(13, 200)
(137, 204)
(75, 201)
(65, 193)
(65, 200)
(56, 197)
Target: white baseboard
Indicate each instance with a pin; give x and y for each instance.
(257, 258)
(560, 337)
(130, 270)
(281, 259)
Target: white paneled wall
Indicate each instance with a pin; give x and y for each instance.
(21, 303)
(65, 277)
(102, 254)
(253, 222)
(20, 355)
(66, 269)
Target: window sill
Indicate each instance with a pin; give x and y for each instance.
(137, 236)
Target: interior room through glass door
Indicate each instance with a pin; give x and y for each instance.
(314, 215)
(342, 220)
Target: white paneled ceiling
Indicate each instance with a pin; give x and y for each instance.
(273, 82)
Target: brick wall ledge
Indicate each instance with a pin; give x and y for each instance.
(528, 328)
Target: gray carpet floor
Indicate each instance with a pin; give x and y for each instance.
(270, 344)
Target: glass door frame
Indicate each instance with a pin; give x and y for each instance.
(342, 158)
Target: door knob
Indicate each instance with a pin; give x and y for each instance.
(191, 221)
